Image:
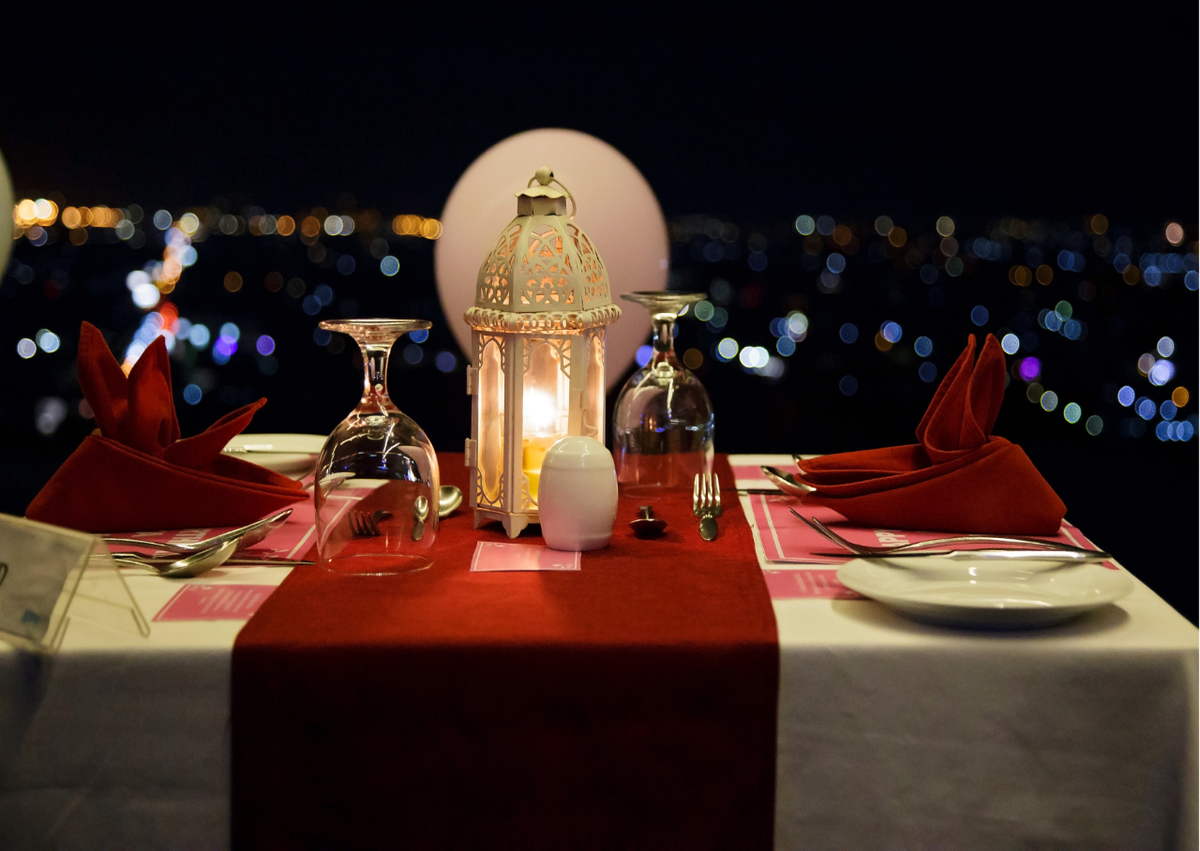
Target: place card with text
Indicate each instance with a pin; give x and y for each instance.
(493, 557)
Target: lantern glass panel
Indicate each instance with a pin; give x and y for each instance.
(491, 419)
(593, 411)
(546, 399)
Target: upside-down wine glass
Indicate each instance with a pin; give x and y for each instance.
(663, 422)
(377, 482)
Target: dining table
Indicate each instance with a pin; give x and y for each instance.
(781, 710)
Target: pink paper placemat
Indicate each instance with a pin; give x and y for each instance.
(786, 539)
(214, 603)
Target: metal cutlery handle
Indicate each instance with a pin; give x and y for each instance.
(865, 550)
(158, 545)
(142, 560)
(420, 513)
(262, 449)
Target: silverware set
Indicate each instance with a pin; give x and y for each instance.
(182, 566)
(185, 560)
(249, 535)
(706, 503)
(185, 566)
(1010, 547)
(192, 559)
(1024, 548)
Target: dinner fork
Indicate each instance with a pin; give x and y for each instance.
(366, 524)
(867, 550)
(706, 503)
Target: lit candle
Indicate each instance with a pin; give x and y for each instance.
(533, 453)
(540, 415)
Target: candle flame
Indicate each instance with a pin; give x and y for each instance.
(540, 413)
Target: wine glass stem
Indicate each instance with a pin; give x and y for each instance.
(664, 332)
(375, 360)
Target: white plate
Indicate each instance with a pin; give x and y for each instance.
(986, 594)
(283, 453)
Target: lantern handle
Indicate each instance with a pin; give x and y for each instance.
(545, 176)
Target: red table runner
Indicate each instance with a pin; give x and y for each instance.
(628, 705)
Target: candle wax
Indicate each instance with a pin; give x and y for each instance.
(533, 453)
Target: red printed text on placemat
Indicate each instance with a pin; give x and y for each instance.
(214, 603)
(799, 584)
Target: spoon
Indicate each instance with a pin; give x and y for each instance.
(786, 482)
(420, 512)
(192, 564)
(247, 535)
(647, 526)
(449, 498)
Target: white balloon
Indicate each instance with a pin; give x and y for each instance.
(617, 209)
(7, 202)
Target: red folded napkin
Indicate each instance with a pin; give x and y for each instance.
(135, 473)
(959, 478)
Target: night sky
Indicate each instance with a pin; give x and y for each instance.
(729, 110)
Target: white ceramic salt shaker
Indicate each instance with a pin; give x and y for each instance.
(577, 495)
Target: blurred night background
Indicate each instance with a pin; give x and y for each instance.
(856, 193)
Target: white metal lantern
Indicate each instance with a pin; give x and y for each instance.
(542, 302)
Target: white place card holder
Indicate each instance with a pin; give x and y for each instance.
(49, 575)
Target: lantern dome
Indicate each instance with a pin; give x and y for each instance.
(544, 274)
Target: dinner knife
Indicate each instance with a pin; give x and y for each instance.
(266, 561)
(262, 449)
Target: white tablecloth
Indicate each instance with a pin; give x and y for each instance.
(891, 734)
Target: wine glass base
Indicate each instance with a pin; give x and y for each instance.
(650, 491)
(647, 475)
(376, 564)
